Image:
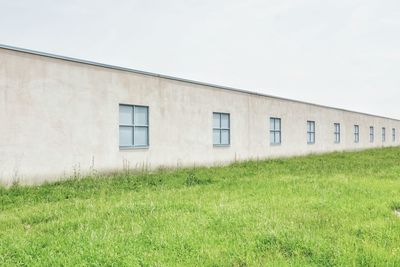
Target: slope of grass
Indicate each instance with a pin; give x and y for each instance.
(328, 210)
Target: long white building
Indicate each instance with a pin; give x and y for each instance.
(61, 116)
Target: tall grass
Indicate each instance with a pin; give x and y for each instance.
(326, 210)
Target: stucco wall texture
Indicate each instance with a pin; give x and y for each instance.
(59, 118)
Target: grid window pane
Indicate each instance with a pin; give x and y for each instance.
(216, 120)
(272, 124)
(224, 121)
(224, 137)
(125, 115)
(310, 138)
(125, 136)
(277, 124)
(277, 137)
(272, 138)
(141, 115)
(311, 126)
(216, 137)
(140, 136)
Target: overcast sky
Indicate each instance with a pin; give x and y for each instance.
(343, 53)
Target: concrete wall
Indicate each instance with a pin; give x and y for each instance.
(59, 117)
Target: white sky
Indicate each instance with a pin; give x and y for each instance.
(343, 53)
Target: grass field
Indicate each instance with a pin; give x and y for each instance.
(335, 209)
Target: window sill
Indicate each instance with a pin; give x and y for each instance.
(311, 143)
(275, 144)
(133, 147)
(221, 145)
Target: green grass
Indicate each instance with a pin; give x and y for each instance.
(327, 210)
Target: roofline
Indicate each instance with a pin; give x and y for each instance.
(87, 62)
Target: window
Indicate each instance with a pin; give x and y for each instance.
(310, 132)
(275, 131)
(337, 132)
(133, 126)
(393, 135)
(371, 134)
(383, 134)
(356, 133)
(221, 129)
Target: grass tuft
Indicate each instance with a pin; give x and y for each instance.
(192, 179)
(395, 205)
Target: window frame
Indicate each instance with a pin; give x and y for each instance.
(383, 134)
(275, 131)
(356, 133)
(371, 134)
(220, 129)
(311, 132)
(134, 126)
(336, 133)
(393, 135)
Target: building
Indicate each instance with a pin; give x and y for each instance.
(62, 116)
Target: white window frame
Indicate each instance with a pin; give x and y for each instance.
(393, 134)
(134, 126)
(356, 133)
(371, 134)
(275, 131)
(336, 132)
(383, 134)
(220, 128)
(310, 132)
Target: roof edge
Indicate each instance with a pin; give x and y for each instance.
(87, 62)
